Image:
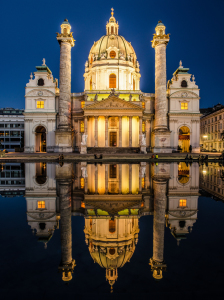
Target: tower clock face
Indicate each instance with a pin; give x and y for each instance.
(184, 95)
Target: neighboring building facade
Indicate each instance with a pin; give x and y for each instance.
(11, 129)
(212, 128)
(112, 114)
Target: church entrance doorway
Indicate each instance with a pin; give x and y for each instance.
(184, 139)
(40, 133)
(113, 139)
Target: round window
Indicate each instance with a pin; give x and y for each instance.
(112, 54)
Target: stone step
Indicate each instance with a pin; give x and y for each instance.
(113, 150)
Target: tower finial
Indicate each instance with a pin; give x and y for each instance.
(180, 64)
(112, 12)
(44, 62)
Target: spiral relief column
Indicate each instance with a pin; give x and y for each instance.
(64, 133)
(161, 138)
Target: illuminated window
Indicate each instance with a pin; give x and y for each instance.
(40, 204)
(82, 128)
(143, 126)
(82, 183)
(112, 81)
(112, 226)
(143, 104)
(182, 203)
(184, 105)
(112, 54)
(40, 104)
(83, 205)
(82, 104)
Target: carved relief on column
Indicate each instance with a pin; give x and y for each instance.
(106, 131)
(120, 131)
(130, 131)
(96, 131)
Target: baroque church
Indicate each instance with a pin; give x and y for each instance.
(112, 114)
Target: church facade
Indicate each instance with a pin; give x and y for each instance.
(112, 114)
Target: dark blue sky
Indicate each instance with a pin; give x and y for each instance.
(28, 30)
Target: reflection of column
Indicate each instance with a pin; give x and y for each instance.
(130, 179)
(106, 179)
(156, 262)
(96, 131)
(106, 131)
(67, 263)
(96, 179)
(130, 131)
(120, 131)
(120, 178)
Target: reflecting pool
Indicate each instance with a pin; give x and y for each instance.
(111, 230)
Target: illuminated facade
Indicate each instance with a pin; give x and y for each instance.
(112, 114)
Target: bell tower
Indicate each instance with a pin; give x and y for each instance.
(64, 133)
(161, 133)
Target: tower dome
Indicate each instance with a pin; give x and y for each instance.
(112, 62)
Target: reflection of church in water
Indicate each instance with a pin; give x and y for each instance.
(111, 198)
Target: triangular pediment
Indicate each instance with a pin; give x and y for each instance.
(113, 103)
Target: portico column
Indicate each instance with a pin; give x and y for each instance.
(130, 179)
(96, 179)
(130, 131)
(120, 131)
(106, 179)
(120, 178)
(106, 131)
(85, 125)
(96, 131)
(140, 130)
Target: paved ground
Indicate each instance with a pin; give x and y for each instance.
(14, 156)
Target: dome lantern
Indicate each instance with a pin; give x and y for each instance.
(112, 27)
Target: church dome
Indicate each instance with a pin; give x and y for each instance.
(112, 62)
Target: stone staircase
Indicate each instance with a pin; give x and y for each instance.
(112, 150)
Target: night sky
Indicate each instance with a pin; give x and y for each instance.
(28, 34)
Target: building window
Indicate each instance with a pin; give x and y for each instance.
(184, 83)
(83, 204)
(40, 204)
(112, 54)
(82, 127)
(112, 226)
(82, 183)
(215, 119)
(112, 81)
(82, 104)
(40, 104)
(40, 82)
(112, 29)
(143, 126)
(184, 105)
(182, 203)
(143, 104)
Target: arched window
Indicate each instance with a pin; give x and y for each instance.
(112, 81)
(91, 84)
(133, 84)
(40, 82)
(112, 226)
(112, 54)
(184, 83)
(112, 29)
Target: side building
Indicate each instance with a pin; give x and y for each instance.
(212, 128)
(11, 129)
